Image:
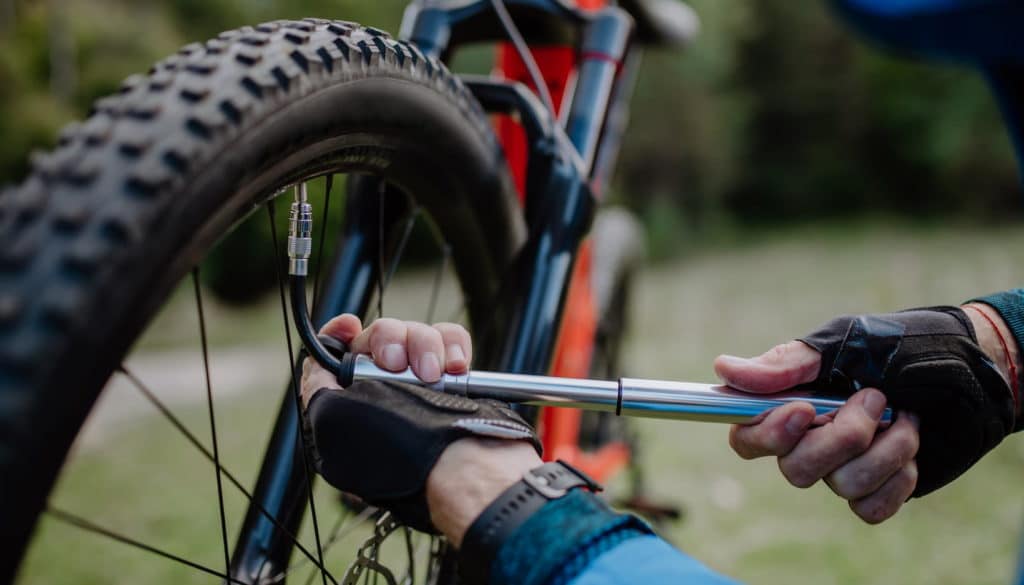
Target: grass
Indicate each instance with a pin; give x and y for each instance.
(742, 518)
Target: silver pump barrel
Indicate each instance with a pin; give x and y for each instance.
(627, 396)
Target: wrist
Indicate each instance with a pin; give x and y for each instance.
(471, 474)
(995, 339)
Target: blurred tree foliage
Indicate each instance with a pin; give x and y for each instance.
(775, 113)
(834, 127)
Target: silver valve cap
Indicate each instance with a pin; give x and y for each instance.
(300, 233)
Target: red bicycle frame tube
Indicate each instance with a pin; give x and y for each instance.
(559, 428)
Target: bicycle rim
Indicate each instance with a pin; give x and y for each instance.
(472, 251)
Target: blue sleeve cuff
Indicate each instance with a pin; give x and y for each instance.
(1010, 306)
(648, 560)
(561, 540)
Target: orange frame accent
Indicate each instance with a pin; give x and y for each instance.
(559, 428)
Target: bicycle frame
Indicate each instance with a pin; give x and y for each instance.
(560, 199)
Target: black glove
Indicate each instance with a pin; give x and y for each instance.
(379, 440)
(926, 361)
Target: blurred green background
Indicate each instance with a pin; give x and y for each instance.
(785, 171)
(776, 114)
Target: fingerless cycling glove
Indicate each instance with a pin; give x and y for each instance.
(379, 440)
(928, 362)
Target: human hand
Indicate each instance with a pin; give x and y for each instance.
(964, 405)
(394, 345)
(875, 471)
(434, 460)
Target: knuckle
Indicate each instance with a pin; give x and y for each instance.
(797, 472)
(853, 483)
(739, 444)
(775, 440)
(853, 440)
(423, 333)
(871, 511)
(778, 351)
(908, 473)
(447, 327)
(386, 329)
(904, 446)
(909, 442)
(387, 323)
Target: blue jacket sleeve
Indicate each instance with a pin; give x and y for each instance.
(579, 540)
(648, 560)
(984, 33)
(970, 31)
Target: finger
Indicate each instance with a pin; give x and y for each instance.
(824, 449)
(891, 450)
(884, 502)
(314, 378)
(779, 368)
(458, 347)
(425, 350)
(385, 340)
(344, 327)
(776, 434)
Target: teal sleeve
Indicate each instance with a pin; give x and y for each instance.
(561, 540)
(579, 540)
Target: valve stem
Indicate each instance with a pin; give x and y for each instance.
(300, 233)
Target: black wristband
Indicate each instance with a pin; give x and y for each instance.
(511, 510)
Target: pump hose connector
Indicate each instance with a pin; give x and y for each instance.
(300, 233)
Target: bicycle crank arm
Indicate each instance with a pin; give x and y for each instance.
(627, 396)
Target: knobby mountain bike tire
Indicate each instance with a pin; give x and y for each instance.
(95, 239)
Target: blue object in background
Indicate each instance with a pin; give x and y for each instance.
(988, 34)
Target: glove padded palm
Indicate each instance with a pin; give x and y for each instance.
(379, 440)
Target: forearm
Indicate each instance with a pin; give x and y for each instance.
(574, 539)
(471, 474)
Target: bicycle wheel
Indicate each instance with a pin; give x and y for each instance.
(98, 236)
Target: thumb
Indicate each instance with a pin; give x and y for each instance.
(344, 328)
(779, 368)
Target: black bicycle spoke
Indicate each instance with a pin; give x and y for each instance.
(410, 550)
(384, 276)
(328, 185)
(295, 389)
(342, 532)
(178, 424)
(339, 532)
(381, 192)
(213, 423)
(82, 523)
(446, 252)
(400, 251)
(434, 553)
